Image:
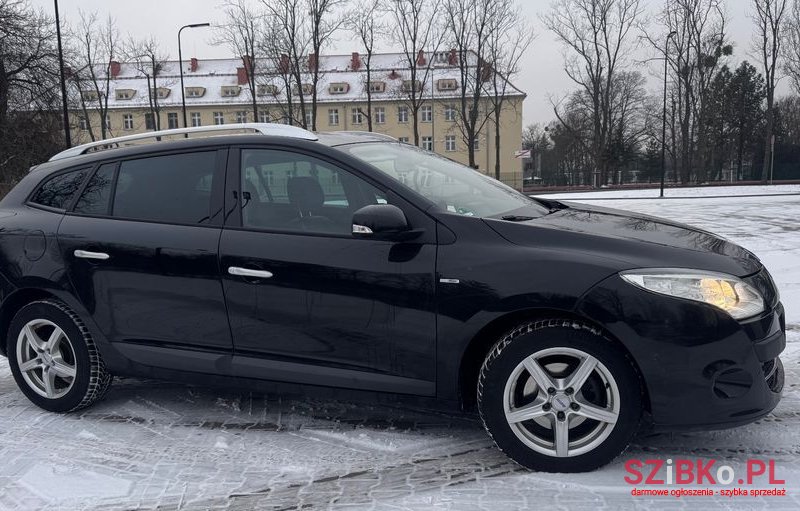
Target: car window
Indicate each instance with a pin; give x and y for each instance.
(96, 197)
(174, 188)
(57, 191)
(288, 191)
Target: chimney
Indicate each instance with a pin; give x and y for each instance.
(421, 58)
(248, 63)
(283, 66)
(394, 75)
(355, 61)
(312, 62)
(114, 68)
(193, 65)
(241, 76)
(452, 59)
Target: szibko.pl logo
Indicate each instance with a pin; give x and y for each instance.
(703, 472)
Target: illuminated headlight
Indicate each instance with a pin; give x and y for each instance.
(729, 293)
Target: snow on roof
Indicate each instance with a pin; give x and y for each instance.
(214, 74)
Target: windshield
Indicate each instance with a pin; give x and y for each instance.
(453, 187)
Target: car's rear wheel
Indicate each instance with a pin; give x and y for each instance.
(54, 359)
(557, 396)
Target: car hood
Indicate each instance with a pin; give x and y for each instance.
(631, 240)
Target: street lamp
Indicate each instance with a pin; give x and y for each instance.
(180, 65)
(664, 114)
(67, 134)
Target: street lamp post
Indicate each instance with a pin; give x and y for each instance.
(67, 133)
(664, 115)
(180, 65)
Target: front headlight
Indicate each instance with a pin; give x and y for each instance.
(729, 293)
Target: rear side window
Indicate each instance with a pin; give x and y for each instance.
(96, 197)
(172, 189)
(57, 191)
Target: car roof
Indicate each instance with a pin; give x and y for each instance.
(325, 139)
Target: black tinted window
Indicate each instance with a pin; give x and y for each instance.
(56, 192)
(96, 196)
(175, 188)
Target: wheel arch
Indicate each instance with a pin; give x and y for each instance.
(12, 304)
(475, 353)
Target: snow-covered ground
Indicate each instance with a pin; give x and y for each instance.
(151, 445)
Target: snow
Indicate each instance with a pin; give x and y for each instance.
(151, 445)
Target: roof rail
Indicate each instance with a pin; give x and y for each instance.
(275, 130)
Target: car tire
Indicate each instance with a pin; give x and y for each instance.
(54, 359)
(558, 396)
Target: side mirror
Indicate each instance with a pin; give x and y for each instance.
(382, 222)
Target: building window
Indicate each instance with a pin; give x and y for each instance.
(149, 122)
(219, 118)
(450, 113)
(108, 122)
(358, 117)
(380, 115)
(450, 143)
(476, 143)
(402, 114)
(230, 91)
(196, 120)
(241, 117)
(309, 119)
(83, 123)
(377, 87)
(427, 143)
(263, 116)
(338, 88)
(333, 116)
(404, 140)
(447, 84)
(427, 113)
(127, 122)
(172, 120)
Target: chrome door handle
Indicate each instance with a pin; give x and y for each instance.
(83, 254)
(246, 272)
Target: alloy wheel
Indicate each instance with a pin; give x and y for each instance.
(46, 358)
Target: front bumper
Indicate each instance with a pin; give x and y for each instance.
(702, 369)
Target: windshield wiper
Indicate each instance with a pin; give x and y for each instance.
(516, 218)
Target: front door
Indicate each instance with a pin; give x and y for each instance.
(307, 302)
(140, 246)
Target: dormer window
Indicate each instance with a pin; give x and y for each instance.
(231, 91)
(125, 94)
(160, 93)
(339, 88)
(307, 89)
(412, 86)
(267, 90)
(195, 92)
(89, 95)
(446, 84)
(377, 87)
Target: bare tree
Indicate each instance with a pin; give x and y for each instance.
(364, 22)
(510, 37)
(96, 47)
(769, 19)
(286, 45)
(470, 26)
(791, 46)
(416, 31)
(597, 37)
(148, 59)
(324, 21)
(240, 33)
(29, 94)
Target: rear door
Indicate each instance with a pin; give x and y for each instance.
(308, 303)
(140, 245)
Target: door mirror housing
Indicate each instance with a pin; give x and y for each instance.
(382, 222)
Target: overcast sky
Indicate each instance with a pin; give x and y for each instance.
(542, 73)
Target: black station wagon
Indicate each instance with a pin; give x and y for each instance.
(351, 260)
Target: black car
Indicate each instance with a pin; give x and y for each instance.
(354, 261)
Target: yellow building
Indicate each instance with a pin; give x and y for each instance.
(218, 92)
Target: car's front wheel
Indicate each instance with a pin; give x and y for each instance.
(557, 396)
(54, 359)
